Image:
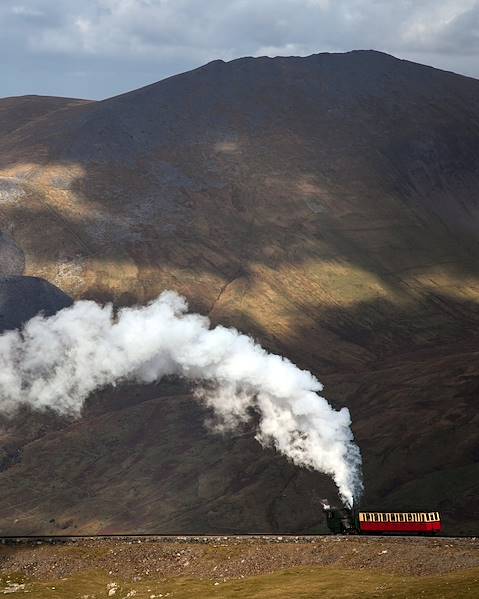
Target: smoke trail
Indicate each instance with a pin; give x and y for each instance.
(58, 361)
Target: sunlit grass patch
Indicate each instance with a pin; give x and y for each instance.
(300, 583)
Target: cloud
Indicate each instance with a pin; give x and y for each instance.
(25, 11)
(132, 40)
(443, 27)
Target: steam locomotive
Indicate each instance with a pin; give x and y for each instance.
(352, 521)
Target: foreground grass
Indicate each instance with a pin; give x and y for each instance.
(303, 583)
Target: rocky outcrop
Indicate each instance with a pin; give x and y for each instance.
(22, 298)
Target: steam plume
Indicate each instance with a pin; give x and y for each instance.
(58, 361)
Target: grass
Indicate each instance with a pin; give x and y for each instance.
(298, 583)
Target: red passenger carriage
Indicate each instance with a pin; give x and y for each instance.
(399, 522)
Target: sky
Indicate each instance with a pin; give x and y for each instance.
(99, 48)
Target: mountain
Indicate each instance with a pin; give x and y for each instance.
(326, 205)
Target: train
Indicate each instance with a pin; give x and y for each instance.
(355, 521)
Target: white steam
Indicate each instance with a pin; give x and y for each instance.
(58, 361)
(325, 504)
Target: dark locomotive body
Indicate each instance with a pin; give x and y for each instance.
(341, 521)
(347, 521)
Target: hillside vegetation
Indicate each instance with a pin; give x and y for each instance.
(326, 205)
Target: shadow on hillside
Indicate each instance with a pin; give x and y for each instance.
(204, 233)
(414, 415)
(412, 397)
(359, 186)
(154, 467)
(360, 159)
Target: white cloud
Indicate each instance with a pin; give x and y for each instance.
(165, 36)
(119, 27)
(431, 24)
(25, 11)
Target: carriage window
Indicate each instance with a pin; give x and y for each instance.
(384, 517)
(401, 517)
(393, 517)
(409, 517)
(376, 517)
(421, 517)
(431, 515)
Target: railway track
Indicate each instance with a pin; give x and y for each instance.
(214, 538)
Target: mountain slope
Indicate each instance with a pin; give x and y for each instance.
(327, 205)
